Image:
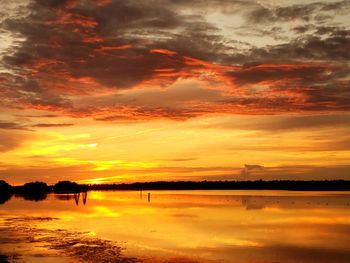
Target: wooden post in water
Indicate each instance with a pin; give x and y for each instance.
(84, 197)
(149, 197)
(77, 197)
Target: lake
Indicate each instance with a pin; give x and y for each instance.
(177, 226)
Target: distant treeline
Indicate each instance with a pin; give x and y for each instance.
(38, 190)
(326, 185)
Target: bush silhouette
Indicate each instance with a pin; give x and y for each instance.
(4, 187)
(5, 193)
(66, 186)
(35, 187)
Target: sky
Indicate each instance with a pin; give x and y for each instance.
(101, 91)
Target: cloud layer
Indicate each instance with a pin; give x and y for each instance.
(105, 59)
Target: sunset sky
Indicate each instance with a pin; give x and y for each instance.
(100, 91)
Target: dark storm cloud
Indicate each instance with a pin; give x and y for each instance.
(263, 73)
(23, 93)
(73, 40)
(319, 11)
(308, 47)
(68, 49)
(318, 37)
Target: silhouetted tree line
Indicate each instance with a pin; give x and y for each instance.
(326, 185)
(34, 191)
(68, 186)
(37, 191)
(5, 192)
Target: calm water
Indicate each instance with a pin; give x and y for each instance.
(178, 226)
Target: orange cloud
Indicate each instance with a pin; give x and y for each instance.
(112, 48)
(85, 66)
(74, 19)
(163, 51)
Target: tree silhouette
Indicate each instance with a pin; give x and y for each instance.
(5, 192)
(35, 187)
(4, 187)
(66, 186)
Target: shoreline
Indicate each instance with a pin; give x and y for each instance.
(287, 185)
(37, 244)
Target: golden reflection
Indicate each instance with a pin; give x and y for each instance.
(104, 212)
(233, 226)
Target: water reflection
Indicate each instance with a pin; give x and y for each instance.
(36, 197)
(250, 202)
(76, 196)
(292, 202)
(41, 196)
(215, 226)
(4, 197)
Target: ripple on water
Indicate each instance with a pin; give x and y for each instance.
(25, 233)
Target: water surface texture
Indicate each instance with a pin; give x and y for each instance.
(177, 226)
